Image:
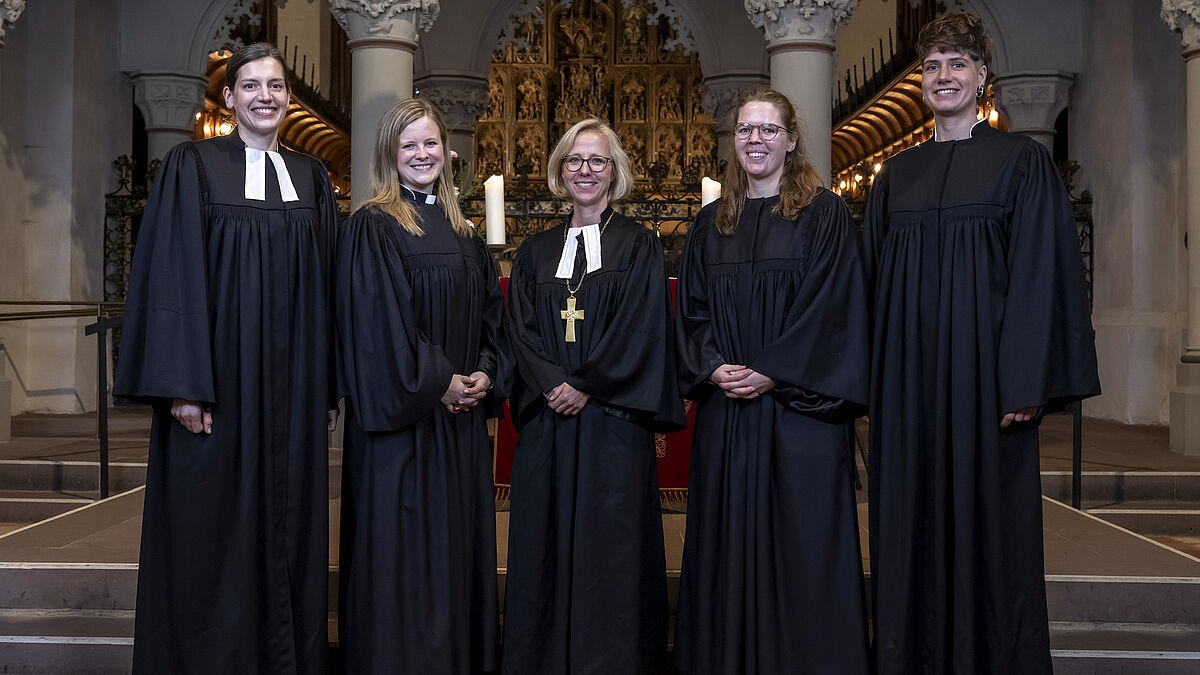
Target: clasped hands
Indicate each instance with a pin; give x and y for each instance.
(194, 418)
(466, 391)
(741, 381)
(566, 400)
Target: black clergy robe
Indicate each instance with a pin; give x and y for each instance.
(979, 310)
(586, 588)
(418, 531)
(228, 304)
(772, 574)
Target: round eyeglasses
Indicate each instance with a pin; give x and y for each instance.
(766, 130)
(596, 163)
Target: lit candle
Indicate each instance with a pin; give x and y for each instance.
(493, 194)
(710, 191)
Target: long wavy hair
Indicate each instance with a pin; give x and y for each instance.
(798, 185)
(387, 192)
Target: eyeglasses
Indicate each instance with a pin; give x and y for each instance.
(766, 131)
(596, 163)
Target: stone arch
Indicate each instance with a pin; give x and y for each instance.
(1001, 46)
(215, 14)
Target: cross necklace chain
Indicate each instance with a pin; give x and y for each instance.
(570, 315)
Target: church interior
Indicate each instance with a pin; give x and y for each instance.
(94, 92)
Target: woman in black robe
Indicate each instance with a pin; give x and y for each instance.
(981, 324)
(419, 313)
(227, 333)
(772, 332)
(590, 324)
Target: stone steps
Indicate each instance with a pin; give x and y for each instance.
(31, 506)
(1152, 518)
(39, 475)
(1124, 648)
(72, 614)
(1107, 487)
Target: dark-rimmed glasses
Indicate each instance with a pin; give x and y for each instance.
(766, 130)
(596, 163)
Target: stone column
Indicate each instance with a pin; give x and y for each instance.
(721, 96)
(461, 99)
(1030, 102)
(800, 42)
(169, 103)
(383, 38)
(1183, 17)
(10, 11)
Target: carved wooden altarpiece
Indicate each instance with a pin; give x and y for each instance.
(620, 60)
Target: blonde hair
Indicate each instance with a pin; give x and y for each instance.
(622, 173)
(387, 192)
(798, 185)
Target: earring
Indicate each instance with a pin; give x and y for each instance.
(979, 92)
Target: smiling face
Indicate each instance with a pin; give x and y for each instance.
(420, 156)
(588, 187)
(761, 158)
(950, 82)
(260, 100)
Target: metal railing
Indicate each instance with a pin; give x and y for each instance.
(108, 316)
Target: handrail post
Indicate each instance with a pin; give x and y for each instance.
(1076, 454)
(100, 328)
(5, 397)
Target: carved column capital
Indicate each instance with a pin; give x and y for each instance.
(169, 101)
(392, 23)
(461, 100)
(1030, 102)
(1183, 17)
(10, 11)
(808, 24)
(722, 93)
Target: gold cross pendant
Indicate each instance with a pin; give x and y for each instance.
(571, 315)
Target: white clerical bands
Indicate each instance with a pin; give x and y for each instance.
(591, 248)
(256, 175)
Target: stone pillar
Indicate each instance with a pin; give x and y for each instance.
(721, 96)
(1183, 17)
(461, 99)
(383, 38)
(800, 43)
(169, 103)
(10, 11)
(1030, 102)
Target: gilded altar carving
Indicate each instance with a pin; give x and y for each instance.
(530, 106)
(633, 100)
(627, 61)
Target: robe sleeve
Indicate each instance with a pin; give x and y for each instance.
(698, 355)
(823, 346)
(1047, 349)
(538, 371)
(875, 225)
(166, 340)
(392, 374)
(632, 365)
(327, 212)
(495, 357)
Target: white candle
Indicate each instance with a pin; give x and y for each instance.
(710, 191)
(493, 200)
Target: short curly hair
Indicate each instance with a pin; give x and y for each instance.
(956, 32)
